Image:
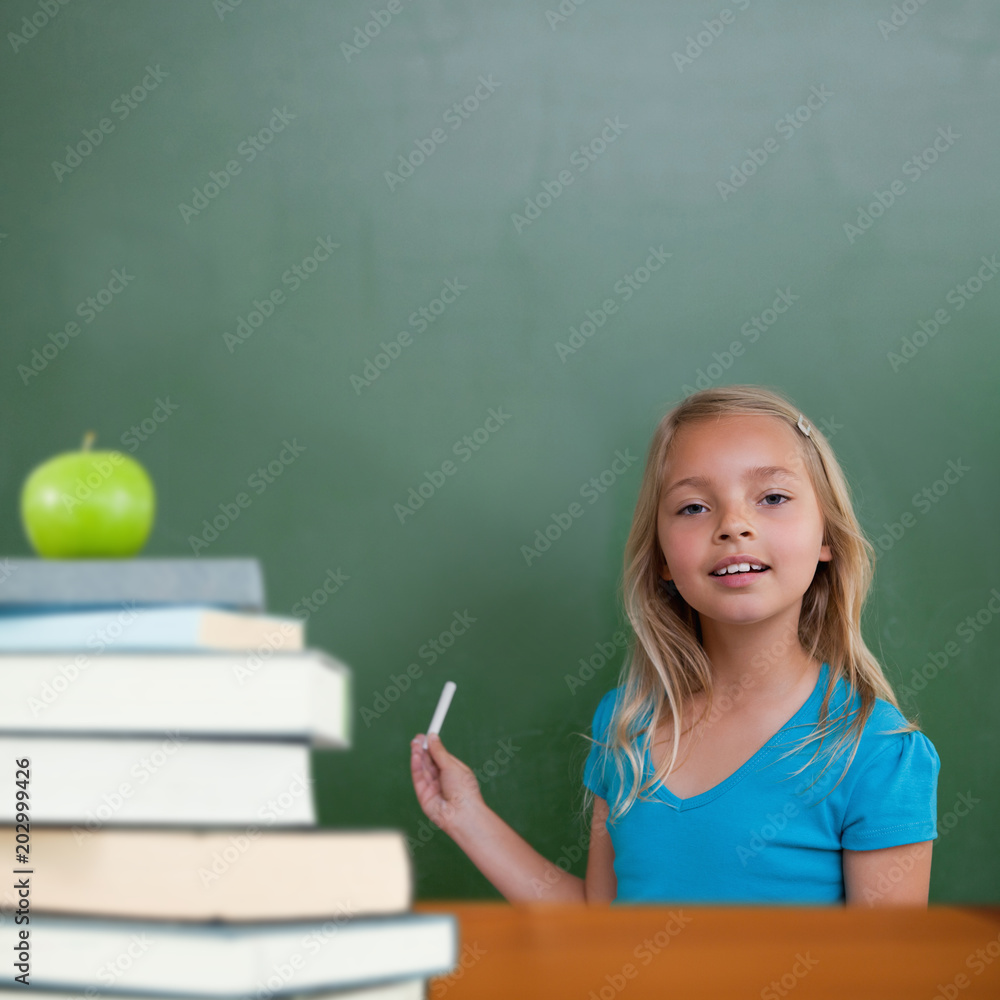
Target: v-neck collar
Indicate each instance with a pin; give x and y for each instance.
(664, 794)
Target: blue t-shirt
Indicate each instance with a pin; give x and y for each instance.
(762, 835)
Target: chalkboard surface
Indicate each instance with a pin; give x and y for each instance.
(312, 252)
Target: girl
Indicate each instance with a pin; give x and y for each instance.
(702, 784)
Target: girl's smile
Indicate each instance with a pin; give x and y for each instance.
(739, 571)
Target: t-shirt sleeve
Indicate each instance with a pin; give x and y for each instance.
(594, 770)
(894, 800)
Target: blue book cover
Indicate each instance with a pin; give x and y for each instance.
(131, 626)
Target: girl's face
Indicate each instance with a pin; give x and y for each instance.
(751, 496)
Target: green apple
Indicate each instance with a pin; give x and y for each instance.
(88, 504)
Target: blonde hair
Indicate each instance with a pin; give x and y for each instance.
(666, 662)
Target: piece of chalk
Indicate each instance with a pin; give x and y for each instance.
(442, 709)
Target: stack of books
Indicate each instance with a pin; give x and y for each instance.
(159, 820)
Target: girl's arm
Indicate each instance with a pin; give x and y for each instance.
(890, 876)
(449, 795)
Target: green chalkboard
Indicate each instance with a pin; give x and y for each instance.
(312, 251)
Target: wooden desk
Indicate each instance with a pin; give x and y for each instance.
(550, 950)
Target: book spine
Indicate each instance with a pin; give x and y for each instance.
(58, 583)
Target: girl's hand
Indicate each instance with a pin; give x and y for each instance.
(446, 788)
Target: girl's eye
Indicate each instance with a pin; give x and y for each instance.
(780, 496)
(683, 509)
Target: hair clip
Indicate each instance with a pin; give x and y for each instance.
(803, 426)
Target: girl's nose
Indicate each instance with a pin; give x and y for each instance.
(734, 523)
(739, 532)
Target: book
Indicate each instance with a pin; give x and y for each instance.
(169, 780)
(222, 960)
(302, 695)
(153, 873)
(134, 627)
(404, 989)
(63, 583)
